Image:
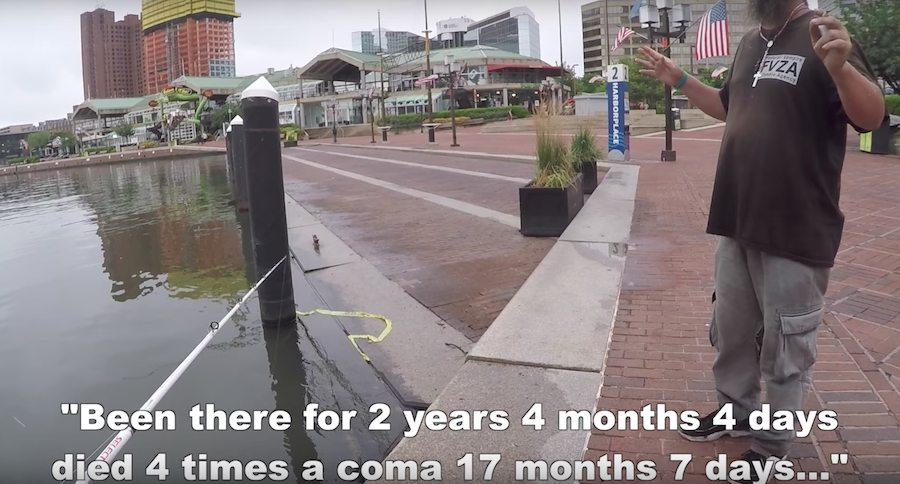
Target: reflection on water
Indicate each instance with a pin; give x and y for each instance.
(113, 274)
(170, 228)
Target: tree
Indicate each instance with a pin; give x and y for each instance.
(67, 139)
(875, 25)
(221, 115)
(584, 84)
(705, 76)
(642, 88)
(39, 140)
(125, 130)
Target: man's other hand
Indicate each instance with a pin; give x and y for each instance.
(833, 46)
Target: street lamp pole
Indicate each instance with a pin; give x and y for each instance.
(371, 118)
(452, 75)
(669, 153)
(660, 15)
(562, 69)
(334, 120)
(430, 106)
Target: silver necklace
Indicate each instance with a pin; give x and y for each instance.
(771, 42)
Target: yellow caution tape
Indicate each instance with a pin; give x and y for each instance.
(354, 337)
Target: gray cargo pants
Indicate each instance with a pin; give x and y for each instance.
(766, 316)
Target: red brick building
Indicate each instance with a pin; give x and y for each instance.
(111, 55)
(187, 38)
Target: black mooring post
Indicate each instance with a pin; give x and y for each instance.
(240, 164)
(265, 190)
(229, 156)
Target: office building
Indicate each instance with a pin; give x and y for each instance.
(514, 30)
(602, 19)
(110, 55)
(187, 38)
(392, 42)
(451, 33)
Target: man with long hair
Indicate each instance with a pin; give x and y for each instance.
(795, 84)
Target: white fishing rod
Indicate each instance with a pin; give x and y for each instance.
(119, 441)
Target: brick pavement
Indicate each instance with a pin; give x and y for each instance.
(660, 350)
(464, 268)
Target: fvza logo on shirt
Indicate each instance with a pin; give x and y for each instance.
(784, 67)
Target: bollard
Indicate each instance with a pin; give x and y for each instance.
(265, 190)
(229, 156)
(243, 221)
(240, 164)
(431, 134)
(384, 135)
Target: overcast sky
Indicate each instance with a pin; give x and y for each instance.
(41, 39)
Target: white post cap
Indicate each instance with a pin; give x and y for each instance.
(260, 88)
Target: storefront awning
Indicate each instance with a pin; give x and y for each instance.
(500, 67)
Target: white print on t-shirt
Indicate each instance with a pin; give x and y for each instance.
(784, 67)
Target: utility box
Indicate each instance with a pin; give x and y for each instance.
(877, 142)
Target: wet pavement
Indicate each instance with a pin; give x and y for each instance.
(462, 266)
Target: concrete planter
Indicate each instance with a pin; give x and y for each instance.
(290, 144)
(589, 175)
(546, 212)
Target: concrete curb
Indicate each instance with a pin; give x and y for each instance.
(150, 154)
(548, 346)
(420, 355)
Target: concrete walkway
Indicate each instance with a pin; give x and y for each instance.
(546, 349)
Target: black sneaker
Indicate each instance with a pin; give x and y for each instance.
(708, 432)
(750, 457)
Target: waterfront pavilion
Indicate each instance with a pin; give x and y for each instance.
(490, 77)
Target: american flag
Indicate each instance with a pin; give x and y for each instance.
(712, 37)
(624, 33)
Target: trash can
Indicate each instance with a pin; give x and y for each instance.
(877, 142)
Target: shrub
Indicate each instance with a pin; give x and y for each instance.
(584, 147)
(487, 114)
(291, 132)
(23, 160)
(892, 102)
(99, 150)
(553, 167)
(143, 145)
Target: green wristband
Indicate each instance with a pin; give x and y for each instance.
(681, 82)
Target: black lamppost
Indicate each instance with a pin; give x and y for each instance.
(650, 18)
(334, 120)
(452, 75)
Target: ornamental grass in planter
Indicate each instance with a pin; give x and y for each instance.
(585, 154)
(552, 199)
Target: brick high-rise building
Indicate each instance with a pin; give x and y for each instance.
(187, 37)
(111, 55)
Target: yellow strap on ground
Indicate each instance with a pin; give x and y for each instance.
(354, 337)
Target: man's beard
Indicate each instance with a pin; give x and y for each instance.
(768, 11)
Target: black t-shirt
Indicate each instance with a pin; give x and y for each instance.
(777, 184)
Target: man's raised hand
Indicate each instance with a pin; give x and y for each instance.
(658, 66)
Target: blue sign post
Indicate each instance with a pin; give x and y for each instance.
(617, 112)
